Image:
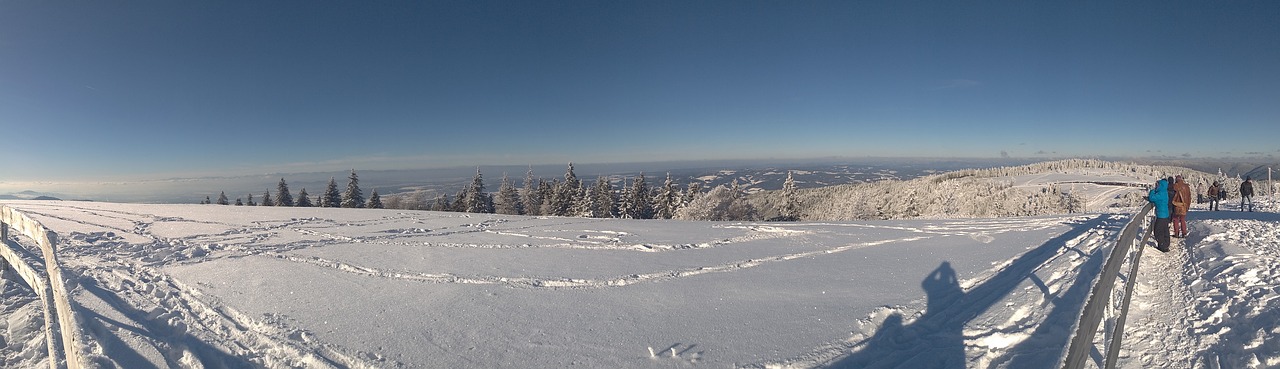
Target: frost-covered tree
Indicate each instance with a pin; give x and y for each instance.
(304, 200)
(222, 199)
(332, 198)
(266, 199)
(442, 203)
(641, 201)
(667, 200)
(375, 201)
(531, 197)
(547, 191)
(508, 201)
(206, 201)
(283, 198)
(713, 205)
(606, 201)
(583, 204)
(238, 202)
(694, 190)
(460, 201)
(477, 200)
(353, 198)
(250, 201)
(739, 208)
(790, 209)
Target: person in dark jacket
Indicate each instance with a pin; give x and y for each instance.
(1246, 194)
(1159, 197)
(1213, 195)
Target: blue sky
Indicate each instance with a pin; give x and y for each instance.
(147, 89)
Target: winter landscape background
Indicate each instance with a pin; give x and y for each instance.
(225, 286)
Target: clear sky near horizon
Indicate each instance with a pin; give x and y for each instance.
(147, 89)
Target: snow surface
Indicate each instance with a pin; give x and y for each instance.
(221, 286)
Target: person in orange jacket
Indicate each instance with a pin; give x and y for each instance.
(1181, 203)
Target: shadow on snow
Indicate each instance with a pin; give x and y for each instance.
(936, 339)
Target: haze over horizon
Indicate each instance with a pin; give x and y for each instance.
(143, 90)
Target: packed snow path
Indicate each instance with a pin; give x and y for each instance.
(1214, 300)
(220, 286)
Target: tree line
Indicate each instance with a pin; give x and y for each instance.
(353, 197)
(633, 198)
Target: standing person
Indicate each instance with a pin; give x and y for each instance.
(1181, 199)
(1159, 197)
(1246, 193)
(1213, 196)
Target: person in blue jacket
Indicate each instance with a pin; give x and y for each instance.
(1159, 197)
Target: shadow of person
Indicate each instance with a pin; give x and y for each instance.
(936, 338)
(932, 341)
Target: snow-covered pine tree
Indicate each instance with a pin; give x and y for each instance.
(547, 191)
(642, 200)
(442, 203)
(222, 198)
(531, 198)
(508, 201)
(238, 202)
(460, 201)
(266, 199)
(250, 202)
(304, 200)
(740, 209)
(583, 204)
(667, 200)
(477, 200)
(283, 198)
(606, 200)
(625, 199)
(375, 202)
(694, 190)
(353, 198)
(332, 198)
(790, 210)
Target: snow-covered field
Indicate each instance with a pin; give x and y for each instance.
(220, 286)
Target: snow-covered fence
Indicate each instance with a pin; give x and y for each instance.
(61, 323)
(1082, 341)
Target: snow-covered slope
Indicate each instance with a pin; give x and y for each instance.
(221, 286)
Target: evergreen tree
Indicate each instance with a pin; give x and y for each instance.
(442, 203)
(353, 198)
(238, 202)
(695, 189)
(508, 198)
(606, 200)
(531, 199)
(790, 204)
(222, 198)
(283, 198)
(667, 200)
(460, 201)
(547, 191)
(583, 204)
(250, 202)
(375, 202)
(739, 208)
(641, 200)
(304, 200)
(206, 201)
(478, 201)
(332, 198)
(266, 199)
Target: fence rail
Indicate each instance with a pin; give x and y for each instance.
(1082, 341)
(63, 335)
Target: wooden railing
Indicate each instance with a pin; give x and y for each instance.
(63, 335)
(1099, 303)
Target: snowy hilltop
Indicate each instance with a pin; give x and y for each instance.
(207, 286)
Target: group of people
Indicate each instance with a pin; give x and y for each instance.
(1218, 193)
(1173, 200)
